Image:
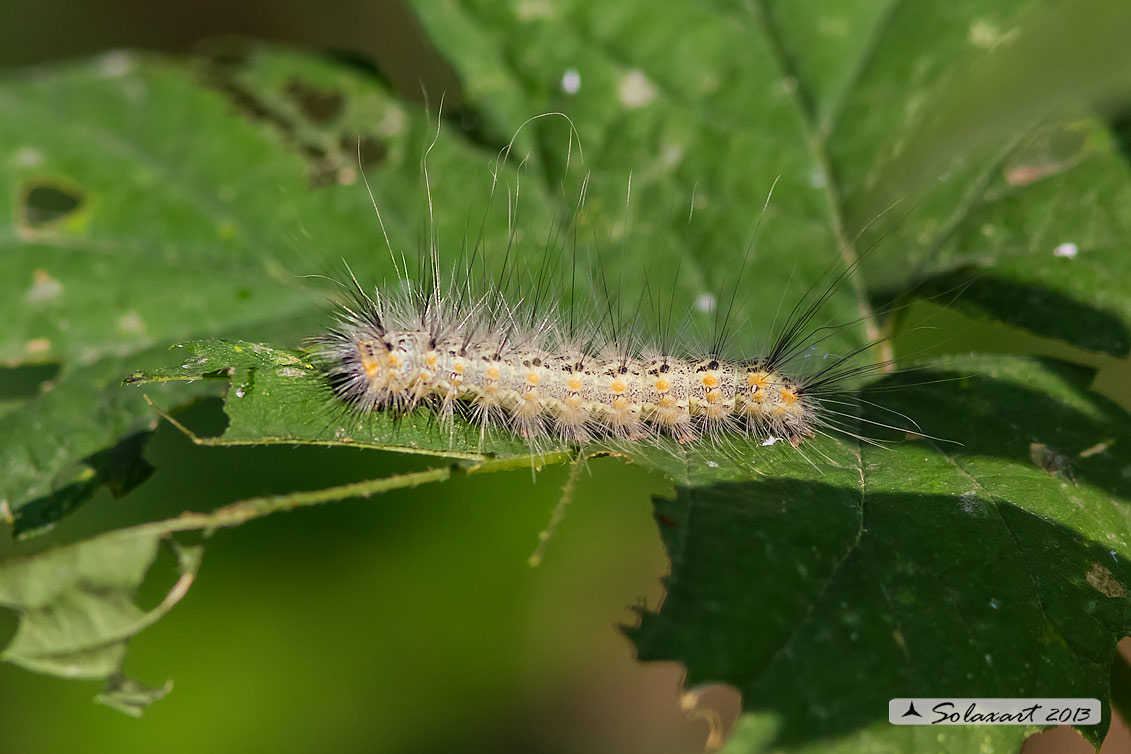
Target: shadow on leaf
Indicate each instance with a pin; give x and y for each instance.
(1040, 310)
(120, 468)
(820, 604)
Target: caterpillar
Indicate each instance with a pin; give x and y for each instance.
(387, 354)
(522, 363)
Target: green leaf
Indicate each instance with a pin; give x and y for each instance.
(983, 569)
(77, 602)
(278, 396)
(129, 696)
(160, 203)
(954, 115)
(77, 607)
(199, 198)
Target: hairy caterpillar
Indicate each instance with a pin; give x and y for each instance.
(387, 354)
(524, 364)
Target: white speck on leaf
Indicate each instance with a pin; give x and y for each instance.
(987, 36)
(533, 10)
(44, 288)
(705, 303)
(392, 123)
(671, 155)
(117, 63)
(1067, 250)
(28, 157)
(571, 81)
(131, 322)
(635, 89)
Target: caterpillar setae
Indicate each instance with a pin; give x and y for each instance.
(524, 364)
(390, 354)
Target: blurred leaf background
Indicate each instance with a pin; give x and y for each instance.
(406, 622)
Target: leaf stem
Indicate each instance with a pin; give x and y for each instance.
(544, 536)
(242, 511)
(815, 138)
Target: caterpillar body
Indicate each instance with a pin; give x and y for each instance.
(396, 354)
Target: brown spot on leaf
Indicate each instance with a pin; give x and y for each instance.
(38, 346)
(1095, 450)
(1049, 150)
(1050, 460)
(319, 106)
(1101, 579)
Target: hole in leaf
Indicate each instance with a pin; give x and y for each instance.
(364, 64)
(251, 106)
(317, 105)
(221, 65)
(372, 150)
(1120, 123)
(313, 151)
(45, 204)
